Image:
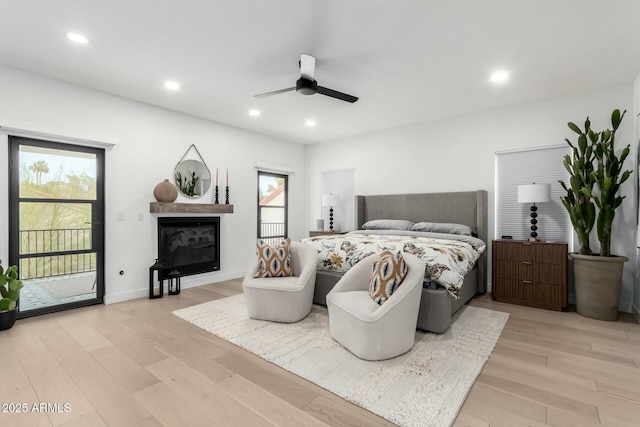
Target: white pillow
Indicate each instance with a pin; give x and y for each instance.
(387, 224)
(443, 227)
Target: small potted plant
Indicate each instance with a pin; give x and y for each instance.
(596, 175)
(10, 287)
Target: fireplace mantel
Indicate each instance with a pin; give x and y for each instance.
(161, 207)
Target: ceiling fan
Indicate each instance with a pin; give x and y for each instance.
(307, 85)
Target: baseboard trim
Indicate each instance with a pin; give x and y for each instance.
(185, 283)
(125, 296)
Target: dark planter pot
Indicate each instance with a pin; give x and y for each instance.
(7, 319)
(598, 281)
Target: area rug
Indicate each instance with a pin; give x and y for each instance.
(424, 387)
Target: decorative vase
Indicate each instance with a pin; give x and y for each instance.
(7, 319)
(598, 280)
(165, 192)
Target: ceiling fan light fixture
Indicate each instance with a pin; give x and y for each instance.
(307, 84)
(306, 87)
(78, 38)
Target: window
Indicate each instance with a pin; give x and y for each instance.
(272, 207)
(539, 165)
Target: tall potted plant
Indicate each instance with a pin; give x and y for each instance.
(10, 287)
(594, 163)
(578, 201)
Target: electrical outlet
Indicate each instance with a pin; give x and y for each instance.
(120, 216)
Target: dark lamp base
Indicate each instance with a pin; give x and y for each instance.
(534, 221)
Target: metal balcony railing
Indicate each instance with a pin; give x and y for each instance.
(272, 232)
(45, 253)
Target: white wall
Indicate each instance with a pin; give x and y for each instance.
(458, 154)
(150, 141)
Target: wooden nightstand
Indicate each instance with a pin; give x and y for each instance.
(325, 233)
(530, 273)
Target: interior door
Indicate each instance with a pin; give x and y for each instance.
(56, 219)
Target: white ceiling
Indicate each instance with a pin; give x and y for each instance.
(408, 61)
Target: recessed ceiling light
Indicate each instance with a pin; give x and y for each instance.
(310, 123)
(499, 76)
(254, 113)
(172, 85)
(78, 38)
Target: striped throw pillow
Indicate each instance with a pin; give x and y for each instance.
(388, 272)
(274, 261)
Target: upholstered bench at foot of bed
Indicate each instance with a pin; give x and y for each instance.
(436, 305)
(325, 281)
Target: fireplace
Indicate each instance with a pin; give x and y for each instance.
(190, 245)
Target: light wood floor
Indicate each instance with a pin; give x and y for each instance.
(135, 364)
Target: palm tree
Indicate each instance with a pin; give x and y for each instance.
(39, 168)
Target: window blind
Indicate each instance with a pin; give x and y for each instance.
(542, 166)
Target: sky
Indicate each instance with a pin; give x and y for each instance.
(60, 162)
(265, 181)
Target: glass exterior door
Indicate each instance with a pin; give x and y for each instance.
(56, 224)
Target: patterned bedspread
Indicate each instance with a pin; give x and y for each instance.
(448, 261)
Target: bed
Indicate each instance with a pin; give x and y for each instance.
(438, 304)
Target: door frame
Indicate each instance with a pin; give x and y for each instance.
(97, 214)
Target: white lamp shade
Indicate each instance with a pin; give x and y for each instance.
(534, 193)
(330, 199)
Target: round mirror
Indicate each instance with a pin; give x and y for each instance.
(192, 178)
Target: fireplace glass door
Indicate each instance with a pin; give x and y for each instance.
(189, 245)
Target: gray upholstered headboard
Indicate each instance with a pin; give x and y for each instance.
(463, 207)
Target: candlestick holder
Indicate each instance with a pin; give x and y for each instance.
(226, 195)
(215, 200)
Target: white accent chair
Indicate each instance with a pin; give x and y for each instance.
(283, 299)
(372, 331)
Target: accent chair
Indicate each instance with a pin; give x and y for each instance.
(367, 329)
(283, 299)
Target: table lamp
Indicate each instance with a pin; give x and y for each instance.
(534, 193)
(330, 200)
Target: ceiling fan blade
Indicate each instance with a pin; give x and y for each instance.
(275, 92)
(338, 95)
(307, 66)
